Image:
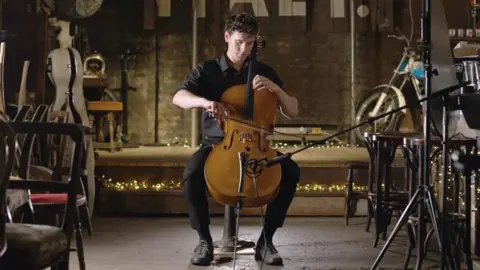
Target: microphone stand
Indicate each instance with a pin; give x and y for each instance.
(422, 191)
(276, 160)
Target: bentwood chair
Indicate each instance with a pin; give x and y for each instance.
(34, 246)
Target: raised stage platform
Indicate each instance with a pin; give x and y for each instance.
(146, 180)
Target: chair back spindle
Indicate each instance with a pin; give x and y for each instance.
(7, 154)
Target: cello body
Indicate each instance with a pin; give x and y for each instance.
(222, 168)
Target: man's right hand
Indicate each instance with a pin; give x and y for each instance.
(216, 110)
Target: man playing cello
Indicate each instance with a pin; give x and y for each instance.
(203, 88)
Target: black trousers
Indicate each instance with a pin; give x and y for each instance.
(194, 188)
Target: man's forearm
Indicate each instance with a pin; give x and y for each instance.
(288, 104)
(188, 100)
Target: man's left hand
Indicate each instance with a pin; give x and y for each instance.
(261, 83)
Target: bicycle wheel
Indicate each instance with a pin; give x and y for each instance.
(385, 124)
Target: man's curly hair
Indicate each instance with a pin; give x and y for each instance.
(244, 23)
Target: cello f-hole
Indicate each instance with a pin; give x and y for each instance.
(259, 139)
(226, 147)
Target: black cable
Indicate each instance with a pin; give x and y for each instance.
(236, 236)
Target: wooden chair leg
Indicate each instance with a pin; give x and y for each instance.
(61, 265)
(32, 210)
(348, 194)
(100, 134)
(411, 243)
(370, 214)
(9, 215)
(85, 218)
(110, 119)
(79, 242)
(91, 121)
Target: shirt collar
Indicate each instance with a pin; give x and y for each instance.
(224, 64)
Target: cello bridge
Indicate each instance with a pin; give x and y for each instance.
(245, 137)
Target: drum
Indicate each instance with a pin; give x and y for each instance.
(470, 74)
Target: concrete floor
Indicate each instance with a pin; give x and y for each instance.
(304, 243)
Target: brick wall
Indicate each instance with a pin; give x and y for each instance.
(312, 56)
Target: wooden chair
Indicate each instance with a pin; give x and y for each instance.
(110, 109)
(55, 171)
(7, 142)
(350, 194)
(32, 246)
(18, 199)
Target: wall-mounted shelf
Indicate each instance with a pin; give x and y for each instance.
(469, 39)
(94, 81)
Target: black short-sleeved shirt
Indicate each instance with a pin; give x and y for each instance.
(211, 78)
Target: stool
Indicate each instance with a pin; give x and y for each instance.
(459, 222)
(98, 109)
(349, 193)
(227, 243)
(382, 148)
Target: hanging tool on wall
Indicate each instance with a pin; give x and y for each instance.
(382, 15)
(475, 4)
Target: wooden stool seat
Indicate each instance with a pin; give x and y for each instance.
(105, 106)
(108, 109)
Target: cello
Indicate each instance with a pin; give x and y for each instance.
(232, 172)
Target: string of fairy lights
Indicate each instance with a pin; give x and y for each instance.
(169, 185)
(276, 144)
(437, 179)
(173, 185)
(176, 185)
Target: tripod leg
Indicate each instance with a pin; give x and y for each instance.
(397, 227)
(411, 243)
(434, 215)
(420, 228)
(468, 215)
(433, 211)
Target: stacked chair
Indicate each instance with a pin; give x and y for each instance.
(39, 169)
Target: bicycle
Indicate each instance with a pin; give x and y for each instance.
(386, 97)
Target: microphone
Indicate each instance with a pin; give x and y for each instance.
(277, 159)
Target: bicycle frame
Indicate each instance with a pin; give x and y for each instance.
(403, 70)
